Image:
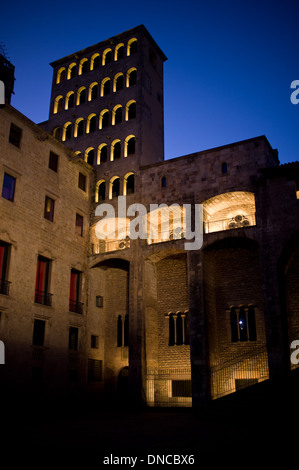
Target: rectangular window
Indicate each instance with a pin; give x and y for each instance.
(42, 295)
(15, 135)
(73, 338)
(82, 181)
(49, 209)
(79, 225)
(4, 261)
(8, 188)
(75, 292)
(53, 161)
(94, 370)
(38, 332)
(94, 342)
(99, 301)
(242, 323)
(181, 388)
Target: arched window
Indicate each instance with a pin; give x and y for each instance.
(114, 189)
(178, 328)
(101, 191)
(91, 123)
(163, 182)
(115, 150)
(95, 61)
(56, 133)
(83, 66)
(105, 86)
(224, 168)
(117, 114)
(72, 70)
(131, 77)
(104, 119)
(130, 110)
(93, 91)
(119, 52)
(67, 131)
(79, 127)
(102, 153)
(70, 100)
(130, 142)
(129, 184)
(89, 156)
(81, 95)
(132, 46)
(242, 321)
(58, 104)
(118, 82)
(61, 74)
(107, 57)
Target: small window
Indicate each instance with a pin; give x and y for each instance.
(99, 301)
(82, 181)
(73, 338)
(53, 161)
(8, 188)
(4, 263)
(94, 370)
(49, 209)
(243, 326)
(15, 135)
(297, 189)
(94, 342)
(224, 168)
(38, 332)
(79, 225)
(163, 182)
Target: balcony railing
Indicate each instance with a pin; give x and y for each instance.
(105, 246)
(228, 224)
(166, 236)
(75, 306)
(42, 297)
(4, 287)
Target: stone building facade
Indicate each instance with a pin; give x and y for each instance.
(144, 319)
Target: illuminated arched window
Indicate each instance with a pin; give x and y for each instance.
(89, 156)
(132, 46)
(79, 127)
(100, 191)
(129, 184)
(72, 70)
(115, 150)
(118, 82)
(81, 95)
(107, 57)
(93, 91)
(114, 189)
(58, 104)
(95, 61)
(119, 52)
(130, 142)
(67, 131)
(70, 100)
(61, 75)
(83, 66)
(56, 133)
(104, 119)
(130, 110)
(102, 153)
(91, 123)
(117, 114)
(105, 86)
(131, 77)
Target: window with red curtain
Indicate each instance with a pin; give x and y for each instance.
(75, 305)
(42, 281)
(4, 247)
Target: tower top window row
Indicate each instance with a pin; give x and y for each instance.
(96, 60)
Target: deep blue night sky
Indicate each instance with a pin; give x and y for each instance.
(228, 75)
